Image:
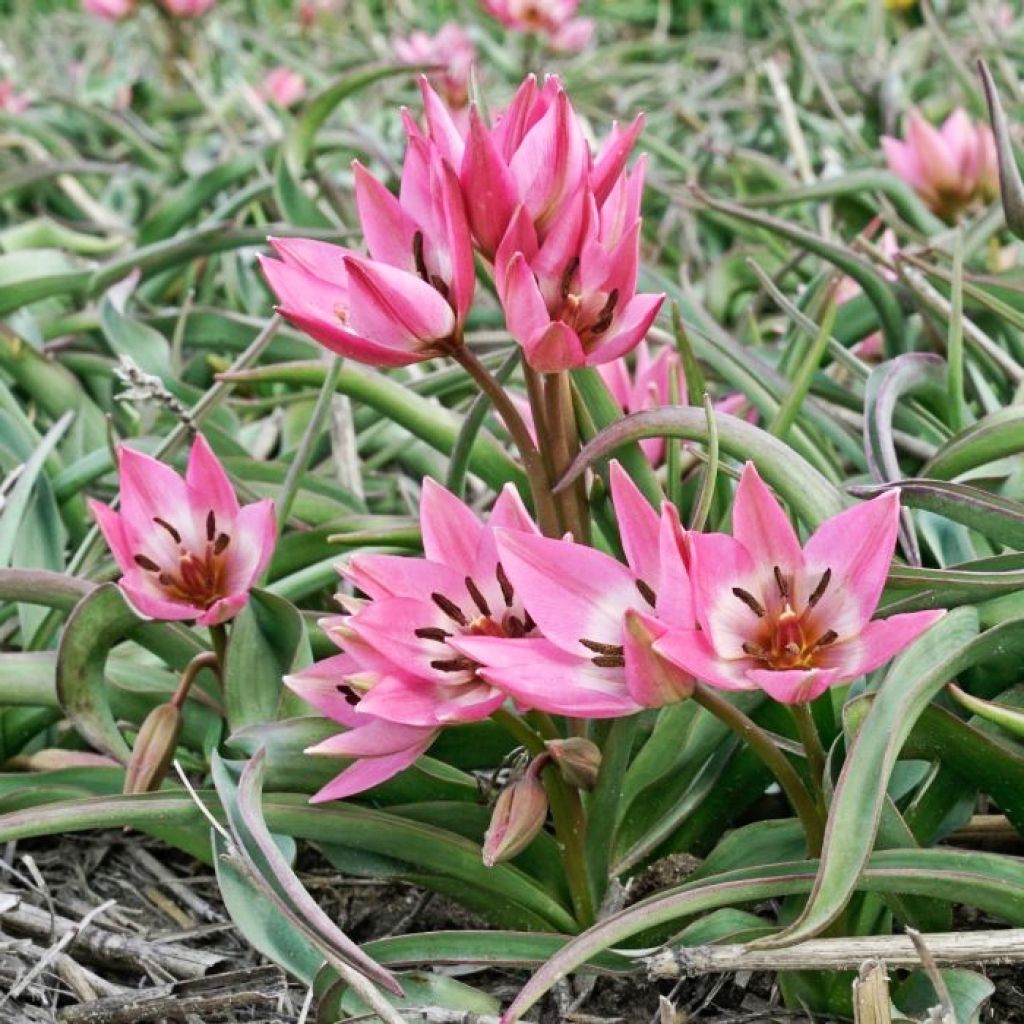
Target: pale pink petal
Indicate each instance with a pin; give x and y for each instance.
(148, 599)
(690, 651)
(794, 686)
(150, 489)
(510, 513)
(856, 547)
(574, 35)
(939, 166)
(451, 531)
(653, 680)
(763, 528)
(573, 592)
(639, 526)
(400, 576)
(387, 229)
(675, 603)
(112, 528)
(322, 685)
(223, 609)
(554, 348)
(321, 259)
(878, 642)
(441, 128)
(628, 329)
(209, 488)
(369, 772)
(251, 545)
(904, 163)
(374, 737)
(525, 312)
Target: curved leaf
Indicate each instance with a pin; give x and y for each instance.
(999, 434)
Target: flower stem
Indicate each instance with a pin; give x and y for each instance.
(761, 743)
(812, 743)
(567, 812)
(560, 421)
(219, 637)
(205, 660)
(540, 484)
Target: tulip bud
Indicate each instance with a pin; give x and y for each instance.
(518, 816)
(578, 759)
(154, 749)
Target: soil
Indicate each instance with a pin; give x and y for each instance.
(169, 901)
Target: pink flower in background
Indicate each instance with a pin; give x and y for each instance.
(11, 101)
(184, 546)
(649, 384)
(111, 10)
(284, 87)
(598, 618)
(311, 10)
(187, 8)
(452, 50)
(949, 167)
(404, 637)
(787, 620)
(359, 308)
(380, 748)
(570, 299)
(554, 19)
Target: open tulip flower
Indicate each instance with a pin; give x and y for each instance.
(379, 748)
(598, 617)
(554, 19)
(949, 167)
(452, 50)
(185, 547)
(786, 620)
(404, 638)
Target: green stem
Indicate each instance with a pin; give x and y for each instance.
(219, 637)
(566, 810)
(563, 441)
(205, 660)
(761, 743)
(540, 485)
(812, 743)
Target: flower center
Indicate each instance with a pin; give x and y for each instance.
(198, 578)
(484, 622)
(581, 313)
(786, 639)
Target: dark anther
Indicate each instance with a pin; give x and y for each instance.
(165, 579)
(506, 587)
(222, 542)
(754, 650)
(609, 661)
(211, 525)
(750, 601)
(452, 664)
(146, 563)
(528, 623)
(781, 582)
(647, 592)
(478, 598)
(350, 695)
(170, 529)
(450, 608)
(829, 637)
(440, 285)
(432, 633)
(820, 589)
(514, 627)
(604, 318)
(570, 271)
(417, 255)
(600, 648)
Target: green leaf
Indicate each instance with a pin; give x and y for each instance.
(143, 344)
(915, 996)
(811, 496)
(997, 435)
(32, 274)
(268, 641)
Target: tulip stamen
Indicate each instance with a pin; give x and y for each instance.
(507, 592)
(601, 648)
(781, 582)
(146, 563)
(647, 592)
(750, 601)
(820, 589)
(450, 608)
(478, 599)
(432, 633)
(175, 536)
(211, 526)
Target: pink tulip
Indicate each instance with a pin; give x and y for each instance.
(284, 87)
(949, 167)
(786, 620)
(551, 18)
(11, 101)
(187, 8)
(363, 309)
(452, 51)
(381, 748)
(598, 617)
(649, 384)
(570, 300)
(185, 548)
(111, 10)
(404, 638)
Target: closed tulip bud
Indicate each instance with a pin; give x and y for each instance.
(578, 759)
(154, 749)
(519, 815)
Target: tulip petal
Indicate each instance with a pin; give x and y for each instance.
(763, 528)
(639, 526)
(628, 329)
(573, 592)
(150, 489)
(112, 527)
(690, 651)
(488, 187)
(144, 594)
(794, 686)
(610, 161)
(251, 545)
(208, 485)
(878, 642)
(321, 259)
(386, 227)
(856, 547)
(369, 772)
(525, 312)
(451, 532)
(322, 685)
(652, 680)
(554, 348)
(223, 609)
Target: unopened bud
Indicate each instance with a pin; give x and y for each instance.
(154, 749)
(518, 816)
(578, 759)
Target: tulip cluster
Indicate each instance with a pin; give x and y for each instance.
(494, 612)
(558, 225)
